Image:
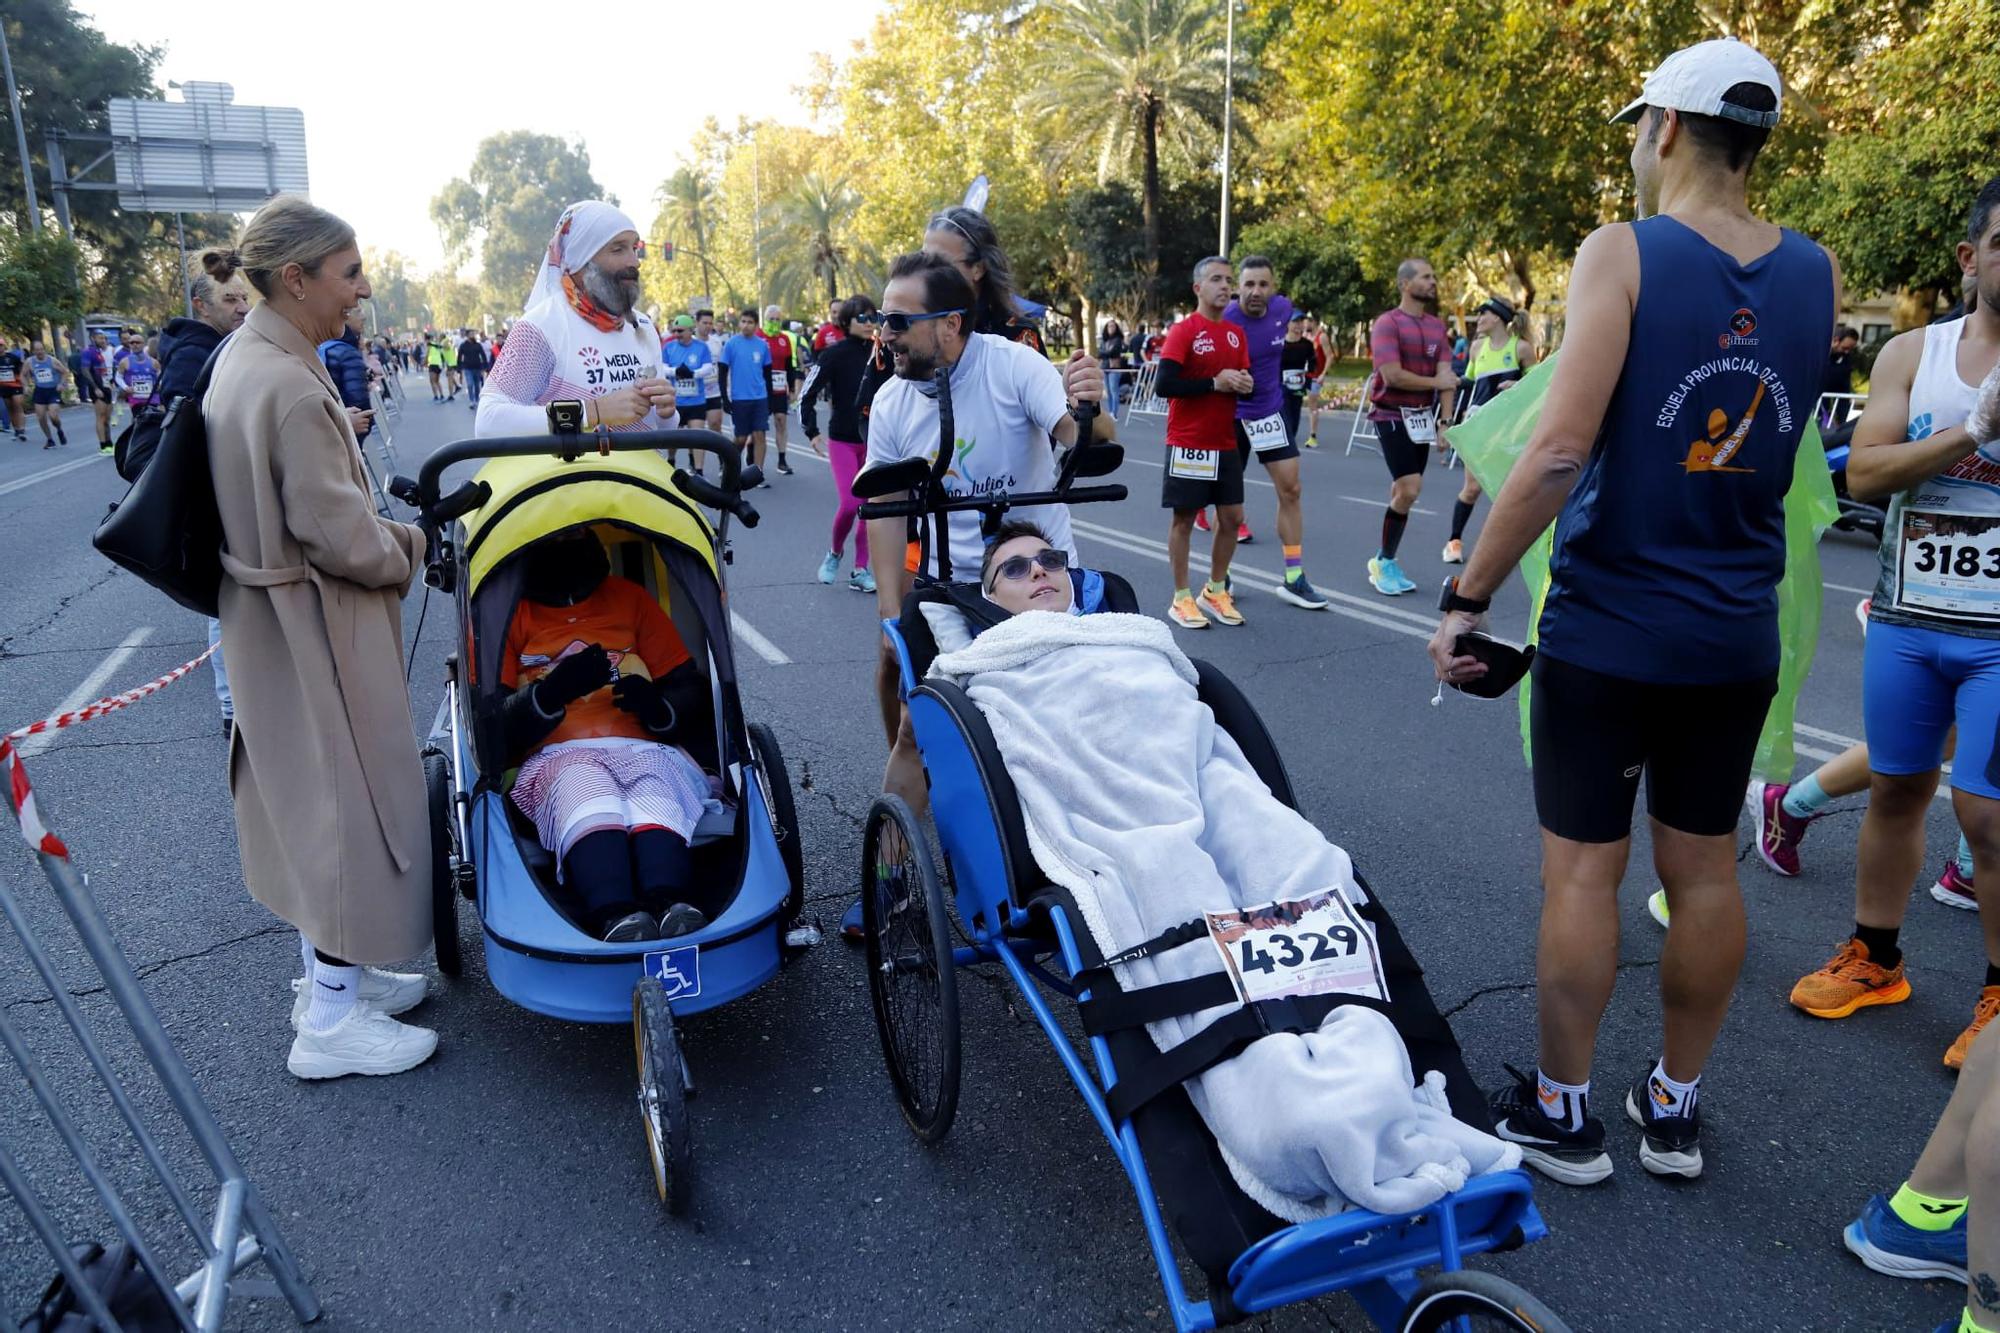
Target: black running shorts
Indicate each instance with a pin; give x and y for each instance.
(1289, 449)
(1593, 735)
(1187, 493)
(1405, 457)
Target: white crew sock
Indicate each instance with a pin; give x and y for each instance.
(1567, 1104)
(334, 991)
(1669, 1097)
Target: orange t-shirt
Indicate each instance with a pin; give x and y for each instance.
(621, 616)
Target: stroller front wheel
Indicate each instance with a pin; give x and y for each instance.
(663, 1096)
(911, 978)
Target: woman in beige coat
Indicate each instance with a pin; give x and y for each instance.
(330, 807)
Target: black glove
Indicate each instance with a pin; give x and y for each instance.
(574, 677)
(642, 699)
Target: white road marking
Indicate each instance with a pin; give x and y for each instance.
(1414, 624)
(1847, 587)
(90, 691)
(22, 483)
(760, 645)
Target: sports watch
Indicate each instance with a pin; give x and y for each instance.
(1449, 600)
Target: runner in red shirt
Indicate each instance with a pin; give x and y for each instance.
(784, 370)
(829, 333)
(1204, 368)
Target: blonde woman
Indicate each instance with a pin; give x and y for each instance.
(330, 809)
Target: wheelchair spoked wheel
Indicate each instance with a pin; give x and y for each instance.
(1473, 1302)
(444, 889)
(911, 979)
(663, 1096)
(776, 787)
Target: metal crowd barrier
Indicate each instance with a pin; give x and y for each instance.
(236, 1231)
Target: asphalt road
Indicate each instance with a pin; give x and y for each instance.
(504, 1184)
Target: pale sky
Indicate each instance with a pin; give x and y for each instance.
(397, 96)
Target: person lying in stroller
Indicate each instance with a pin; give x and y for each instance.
(603, 703)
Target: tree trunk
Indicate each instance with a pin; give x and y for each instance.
(701, 246)
(1150, 203)
(1913, 307)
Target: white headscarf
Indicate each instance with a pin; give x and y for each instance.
(584, 228)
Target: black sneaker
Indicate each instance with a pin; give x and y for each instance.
(784, 467)
(681, 919)
(632, 928)
(1572, 1156)
(1670, 1144)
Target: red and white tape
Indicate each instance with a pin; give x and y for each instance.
(21, 796)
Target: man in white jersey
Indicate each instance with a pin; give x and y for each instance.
(1931, 438)
(582, 336)
(1008, 402)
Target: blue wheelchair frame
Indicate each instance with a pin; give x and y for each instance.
(1372, 1256)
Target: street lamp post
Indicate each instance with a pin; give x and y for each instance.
(1228, 115)
(20, 132)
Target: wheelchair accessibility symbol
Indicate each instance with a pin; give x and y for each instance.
(677, 970)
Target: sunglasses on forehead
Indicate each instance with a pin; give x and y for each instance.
(1017, 567)
(897, 321)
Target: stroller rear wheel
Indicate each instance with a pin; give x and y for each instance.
(663, 1096)
(1470, 1301)
(444, 891)
(911, 979)
(776, 786)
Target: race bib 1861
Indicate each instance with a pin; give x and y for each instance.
(1949, 563)
(1312, 946)
(1266, 433)
(1191, 464)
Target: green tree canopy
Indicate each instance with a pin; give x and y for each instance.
(36, 282)
(1315, 267)
(1897, 184)
(507, 205)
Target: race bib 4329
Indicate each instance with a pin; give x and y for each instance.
(1310, 946)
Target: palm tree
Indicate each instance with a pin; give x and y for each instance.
(688, 200)
(814, 230)
(1118, 79)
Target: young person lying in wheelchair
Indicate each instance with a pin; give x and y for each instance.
(604, 703)
(1140, 804)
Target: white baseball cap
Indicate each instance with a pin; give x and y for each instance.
(1695, 78)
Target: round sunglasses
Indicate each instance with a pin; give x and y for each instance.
(1017, 567)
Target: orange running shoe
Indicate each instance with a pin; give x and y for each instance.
(1850, 982)
(1982, 1014)
(1219, 603)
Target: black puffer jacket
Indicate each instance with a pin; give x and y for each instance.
(185, 346)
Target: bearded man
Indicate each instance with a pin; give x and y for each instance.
(582, 335)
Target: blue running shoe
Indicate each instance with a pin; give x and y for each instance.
(1888, 1244)
(1379, 577)
(829, 568)
(861, 581)
(1403, 581)
(851, 928)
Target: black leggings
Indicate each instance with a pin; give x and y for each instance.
(614, 873)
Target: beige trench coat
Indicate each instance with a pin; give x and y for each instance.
(330, 804)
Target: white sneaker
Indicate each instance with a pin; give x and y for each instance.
(367, 1041)
(387, 992)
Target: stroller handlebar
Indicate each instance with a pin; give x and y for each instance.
(571, 447)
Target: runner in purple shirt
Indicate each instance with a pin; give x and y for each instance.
(1260, 421)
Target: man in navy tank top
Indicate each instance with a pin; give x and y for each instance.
(1696, 341)
(1928, 439)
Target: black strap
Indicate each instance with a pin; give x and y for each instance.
(1112, 1010)
(1170, 938)
(1218, 1042)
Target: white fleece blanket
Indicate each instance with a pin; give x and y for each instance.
(1148, 813)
